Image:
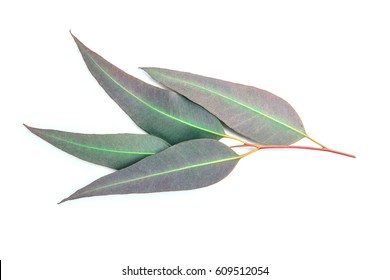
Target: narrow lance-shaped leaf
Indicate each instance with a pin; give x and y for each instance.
(112, 150)
(160, 112)
(185, 166)
(252, 112)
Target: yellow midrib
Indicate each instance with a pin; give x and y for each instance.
(164, 173)
(232, 100)
(97, 148)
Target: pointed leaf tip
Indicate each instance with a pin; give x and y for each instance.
(62, 201)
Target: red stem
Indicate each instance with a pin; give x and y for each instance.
(301, 147)
(259, 147)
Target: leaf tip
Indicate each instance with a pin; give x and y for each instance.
(29, 127)
(147, 69)
(75, 38)
(64, 200)
(70, 31)
(33, 130)
(71, 197)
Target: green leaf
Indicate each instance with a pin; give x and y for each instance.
(112, 150)
(252, 112)
(185, 166)
(160, 112)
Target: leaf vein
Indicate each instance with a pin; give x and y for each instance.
(149, 105)
(165, 172)
(237, 102)
(100, 149)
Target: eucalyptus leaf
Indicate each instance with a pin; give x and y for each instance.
(112, 150)
(185, 166)
(252, 112)
(160, 112)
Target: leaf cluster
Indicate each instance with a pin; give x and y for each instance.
(181, 150)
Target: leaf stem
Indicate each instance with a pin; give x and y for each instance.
(305, 148)
(315, 141)
(250, 152)
(237, 139)
(253, 145)
(259, 147)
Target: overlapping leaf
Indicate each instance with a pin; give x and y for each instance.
(160, 112)
(112, 150)
(252, 112)
(185, 166)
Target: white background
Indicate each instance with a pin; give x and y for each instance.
(305, 214)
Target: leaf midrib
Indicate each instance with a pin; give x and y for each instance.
(164, 173)
(98, 148)
(234, 101)
(146, 103)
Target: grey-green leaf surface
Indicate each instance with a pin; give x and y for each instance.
(185, 166)
(252, 112)
(112, 150)
(160, 112)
